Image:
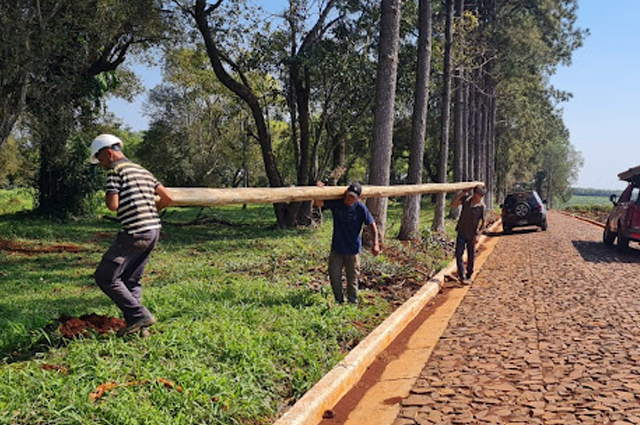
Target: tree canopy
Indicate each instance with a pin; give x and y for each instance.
(252, 98)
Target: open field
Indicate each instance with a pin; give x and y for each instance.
(246, 318)
(578, 200)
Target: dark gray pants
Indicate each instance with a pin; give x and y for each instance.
(119, 272)
(470, 245)
(351, 265)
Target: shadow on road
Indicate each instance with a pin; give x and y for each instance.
(597, 252)
(513, 232)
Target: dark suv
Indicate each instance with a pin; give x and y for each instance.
(623, 222)
(523, 209)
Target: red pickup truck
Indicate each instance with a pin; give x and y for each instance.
(623, 222)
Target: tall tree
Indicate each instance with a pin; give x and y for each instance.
(17, 19)
(201, 12)
(380, 164)
(300, 90)
(79, 45)
(410, 229)
(438, 219)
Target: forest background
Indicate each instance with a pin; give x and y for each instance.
(247, 100)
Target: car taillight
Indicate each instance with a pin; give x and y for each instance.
(539, 207)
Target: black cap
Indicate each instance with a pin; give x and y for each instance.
(355, 188)
(480, 189)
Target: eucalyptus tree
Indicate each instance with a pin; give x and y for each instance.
(510, 49)
(409, 228)
(380, 164)
(309, 45)
(438, 218)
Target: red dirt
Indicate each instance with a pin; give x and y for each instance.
(106, 387)
(55, 368)
(74, 327)
(13, 246)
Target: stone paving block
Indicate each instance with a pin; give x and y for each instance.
(548, 334)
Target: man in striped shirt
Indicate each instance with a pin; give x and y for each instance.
(137, 197)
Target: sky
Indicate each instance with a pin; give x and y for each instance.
(603, 78)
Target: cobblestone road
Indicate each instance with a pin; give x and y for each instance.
(548, 334)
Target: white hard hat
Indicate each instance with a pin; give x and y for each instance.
(100, 142)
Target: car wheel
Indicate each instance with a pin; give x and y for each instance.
(521, 210)
(544, 226)
(623, 241)
(506, 229)
(608, 237)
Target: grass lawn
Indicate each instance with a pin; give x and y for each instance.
(246, 319)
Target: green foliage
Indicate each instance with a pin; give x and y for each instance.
(82, 180)
(201, 135)
(15, 167)
(15, 200)
(590, 192)
(68, 59)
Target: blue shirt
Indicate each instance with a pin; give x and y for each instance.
(347, 225)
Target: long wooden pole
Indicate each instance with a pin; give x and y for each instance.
(205, 197)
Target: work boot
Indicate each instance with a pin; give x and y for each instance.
(145, 322)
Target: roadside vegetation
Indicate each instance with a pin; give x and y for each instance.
(246, 325)
(590, 203)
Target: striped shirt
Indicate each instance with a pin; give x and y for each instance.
(136, 188)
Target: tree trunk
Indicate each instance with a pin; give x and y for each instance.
(380, 165)
(478, 134)
(471, 132)
(410, 227)
(465, 131)
(458, 136)
(438, 219)
(458, 127)
(491, 157)
(12, 104)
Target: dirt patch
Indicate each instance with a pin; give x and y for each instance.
(101, 236)
(102, 389)
(17, 247)
(75, 327)
(55, 368)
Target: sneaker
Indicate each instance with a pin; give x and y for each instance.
(137, 326)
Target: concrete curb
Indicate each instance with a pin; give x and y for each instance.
(586, 220)
(335, 384)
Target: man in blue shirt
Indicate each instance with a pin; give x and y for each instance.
(349, 214)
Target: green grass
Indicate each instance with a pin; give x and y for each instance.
(577, 200)
(15, 200)
(246, 319)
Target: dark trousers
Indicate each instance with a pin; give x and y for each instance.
(470, 245)
(351, 266)
(119, 272)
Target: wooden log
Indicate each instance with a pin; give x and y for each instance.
(204, 197)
